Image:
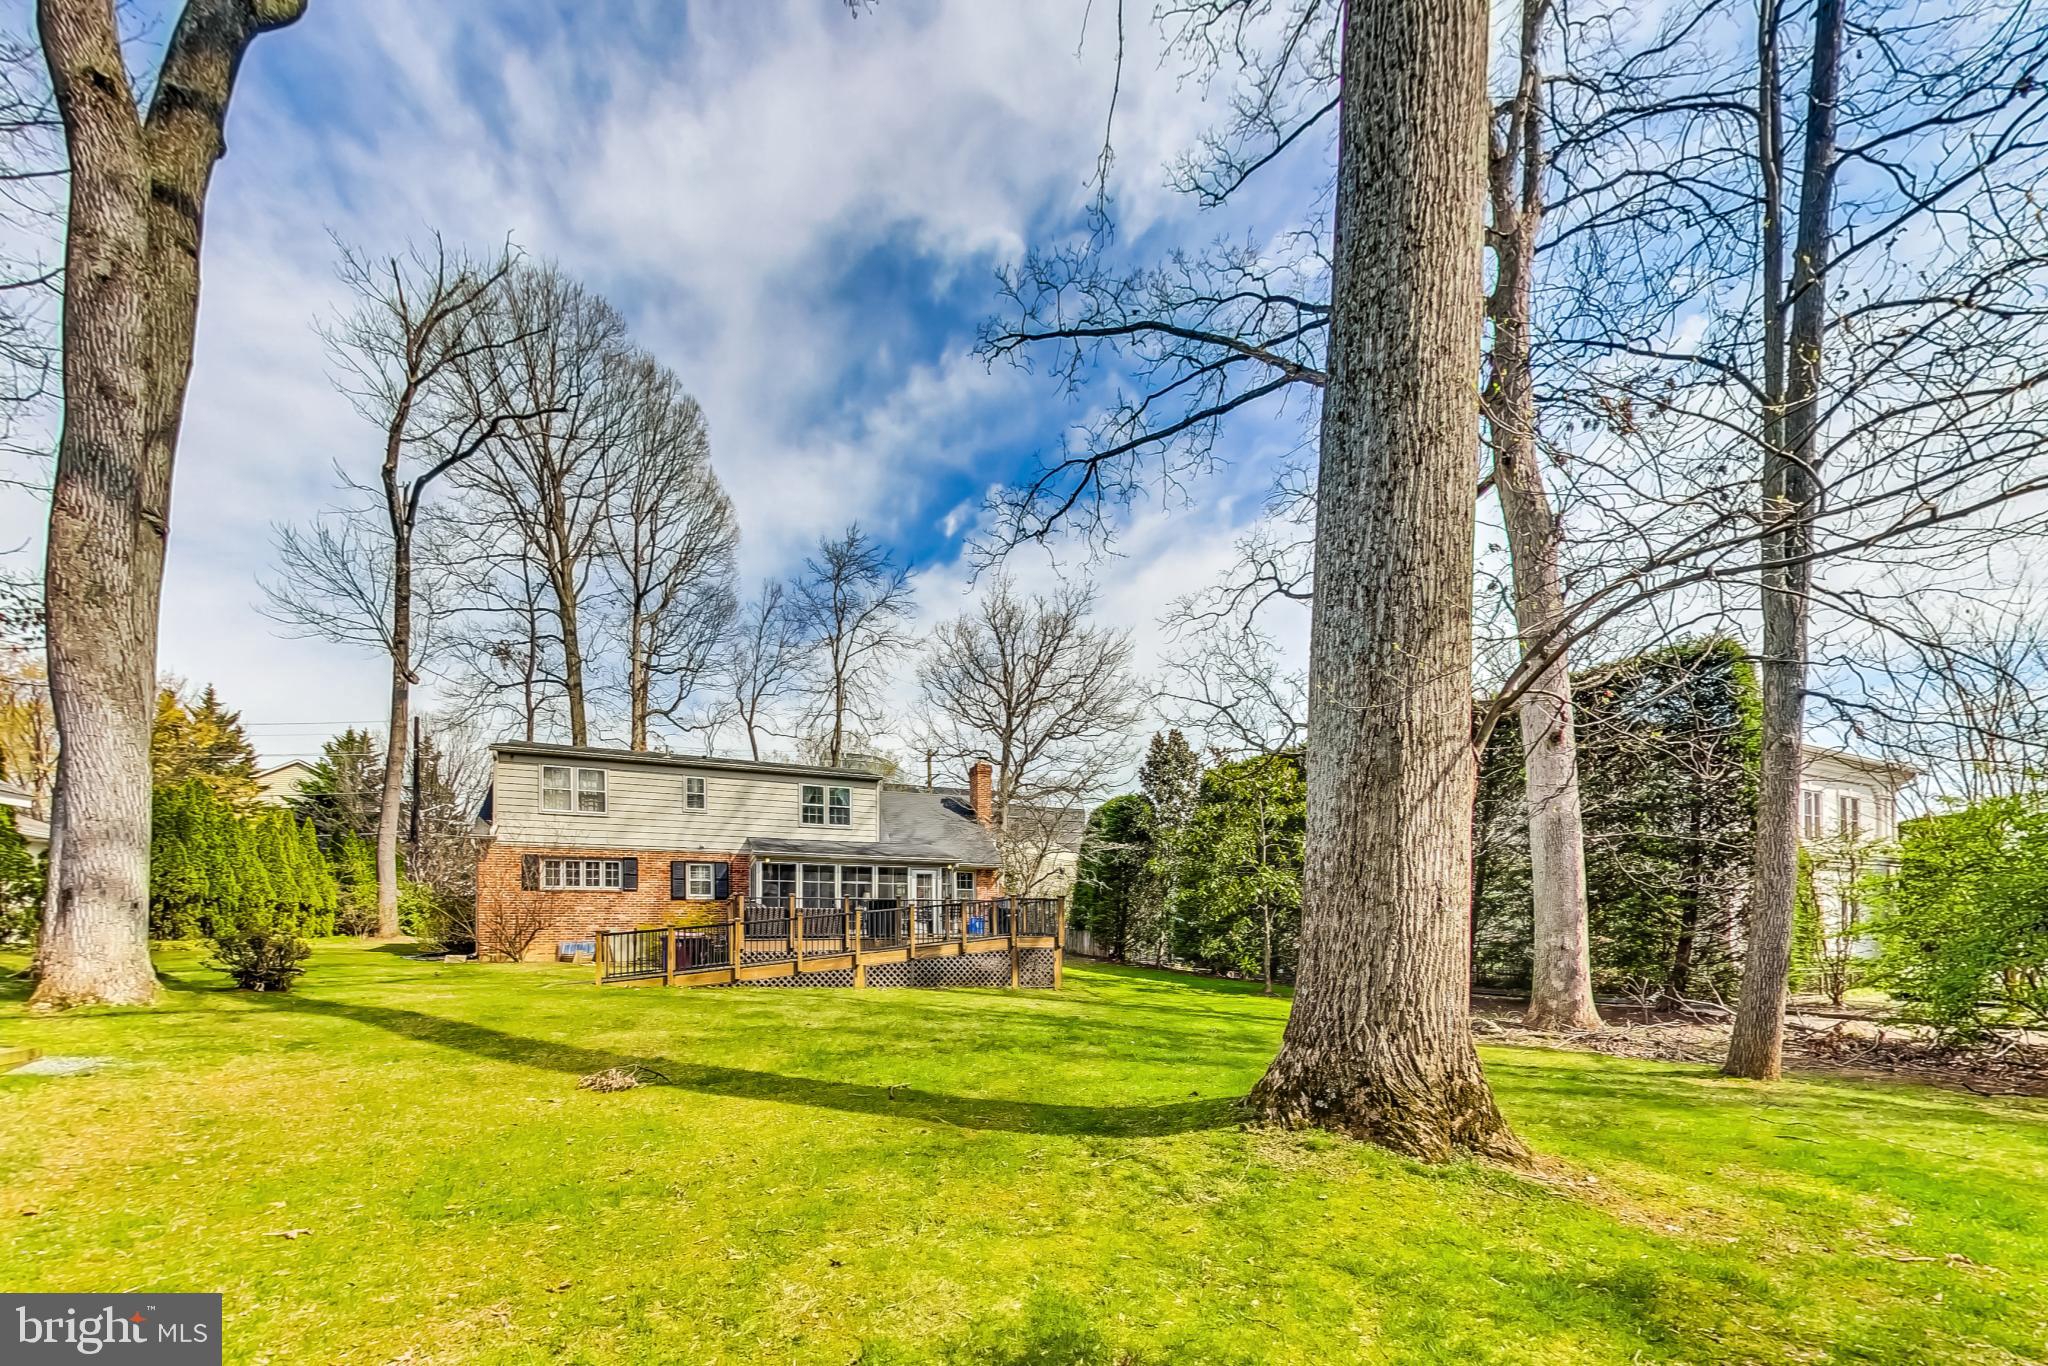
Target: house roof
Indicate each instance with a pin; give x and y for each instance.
(679, 761)
(15, 795)
(1900, 773)
(944, 820)
(841, 851)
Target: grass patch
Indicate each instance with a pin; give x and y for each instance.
(395, 1159)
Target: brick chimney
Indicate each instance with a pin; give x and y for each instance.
(981, 789)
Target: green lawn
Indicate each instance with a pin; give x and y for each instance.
(968, 1176)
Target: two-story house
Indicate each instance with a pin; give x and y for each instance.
(580, 840)
(1848, 819)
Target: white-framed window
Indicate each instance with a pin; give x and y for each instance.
(777, 882)
(813, 804)
(1809, 813)
(821, 884)
(700, 882)
(581, 874)
(579, 790)
(1849, 815)
(693, 793)
(841, 810)
(857, 883)
(963, 884)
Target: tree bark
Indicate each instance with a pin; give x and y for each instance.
(137, 192)
(1791, 457)
(1561, 978)
(1379, 1042)
(395, 736)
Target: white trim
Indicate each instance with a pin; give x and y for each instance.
(575, 806)
(611, 874)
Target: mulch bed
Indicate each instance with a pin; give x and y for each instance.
(1847, 1045)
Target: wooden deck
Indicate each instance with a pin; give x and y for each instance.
(1020, 940)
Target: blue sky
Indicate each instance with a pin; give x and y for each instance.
(799, 211)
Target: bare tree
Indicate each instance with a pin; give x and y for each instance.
(851, 599)
(542, 497)
(1379, 1042)
(1561, 968)
(356, 578)
(32, 174)
(667, 552)
(764, 661)
(1029, 684)
(503, 667)
(131, 264)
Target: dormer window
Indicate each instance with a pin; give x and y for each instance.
(827, 805)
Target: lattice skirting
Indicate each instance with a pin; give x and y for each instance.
(1035, 967)
(834, 977)
(889, 975)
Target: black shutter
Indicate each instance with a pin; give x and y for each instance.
(678, 880)
(721, 880)
(529, 872)
(629, 875)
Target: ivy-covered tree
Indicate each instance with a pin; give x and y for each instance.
(1238, 907)
(1668, 752)
(1171, 780)
(1112, 882)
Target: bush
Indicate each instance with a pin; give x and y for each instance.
(440, 920)
(21, 884)
(1964, 922)
(260, 959)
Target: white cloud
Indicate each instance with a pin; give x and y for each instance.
(719, 174)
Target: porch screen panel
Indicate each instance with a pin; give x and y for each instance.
(892, 885)
(821, 885)
(778, 882)
(857, 883)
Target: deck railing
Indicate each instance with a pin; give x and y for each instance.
(757, 932)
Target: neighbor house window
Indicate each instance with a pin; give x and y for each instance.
(814, 805)
(572, 789)
(693, 793)
(842, 806)
(963, 884)
(699, 882)
(581, 874)
(1849, 815)
(1809, 813)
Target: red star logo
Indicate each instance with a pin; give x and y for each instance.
(136, 1317)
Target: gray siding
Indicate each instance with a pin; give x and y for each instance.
(645, 808)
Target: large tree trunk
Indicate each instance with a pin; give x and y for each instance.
(395, 740)
(131, 256)
(1561, 979)
(1791, 460)
(1379, 1042)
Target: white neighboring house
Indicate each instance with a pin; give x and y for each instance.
(1848, 823)
(278, 784)
(35, 832)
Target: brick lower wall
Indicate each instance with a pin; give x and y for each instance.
(504, 910)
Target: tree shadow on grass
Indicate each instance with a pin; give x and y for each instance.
(897, 1102)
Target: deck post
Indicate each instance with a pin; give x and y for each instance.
(735, 938)
(960, 909)
(1010, 914)
(860, 970)
(597, 954)
(910, 941)
(1059, 941)
(668, 958)
(796, 934)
